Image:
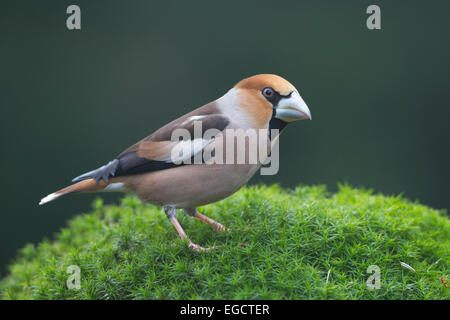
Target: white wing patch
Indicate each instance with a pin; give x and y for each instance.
(193, 118)
(182, 151)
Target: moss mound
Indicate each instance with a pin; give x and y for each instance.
(285, 244)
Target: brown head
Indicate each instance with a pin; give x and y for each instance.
(267, 96)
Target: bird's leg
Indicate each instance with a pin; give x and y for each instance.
(171, 213)
(216, 225)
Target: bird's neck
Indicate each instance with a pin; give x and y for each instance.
(276, 123)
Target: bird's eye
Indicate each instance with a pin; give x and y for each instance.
(268, 92)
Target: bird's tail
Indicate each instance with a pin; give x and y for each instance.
(88, 185)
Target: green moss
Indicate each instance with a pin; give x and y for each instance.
(292, 239)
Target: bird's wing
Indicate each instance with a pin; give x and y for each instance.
(158, 151)
(154, 152)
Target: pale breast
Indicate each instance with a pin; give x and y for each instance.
(191, 185)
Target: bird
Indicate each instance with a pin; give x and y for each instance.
(163, 171)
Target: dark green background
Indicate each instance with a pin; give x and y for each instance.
(72, 100)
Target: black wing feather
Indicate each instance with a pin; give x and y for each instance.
(129, 162)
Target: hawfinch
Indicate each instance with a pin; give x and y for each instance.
(197, 170)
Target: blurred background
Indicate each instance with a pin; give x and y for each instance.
(72, 100)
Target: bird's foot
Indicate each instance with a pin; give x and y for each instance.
(216, 225)
(183, 236)
(197, 248)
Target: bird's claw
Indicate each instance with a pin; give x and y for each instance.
(220, 227)
(197, 248)
(216, 225)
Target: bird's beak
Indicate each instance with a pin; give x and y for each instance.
(292, 108)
